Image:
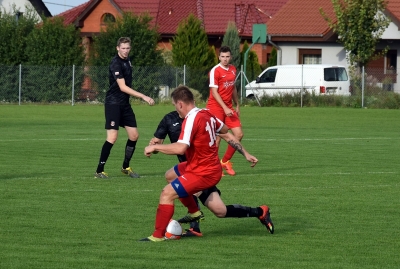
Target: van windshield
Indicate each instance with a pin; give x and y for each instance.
(335, 74)
(268, 76)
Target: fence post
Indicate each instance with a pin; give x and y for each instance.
(73, 84)
(362, 86)
(20, 84)
(301, 88)
(184, 74)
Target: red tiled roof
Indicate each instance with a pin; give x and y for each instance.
(71, 14)
(171, 13)
(393, 7)
(137, 6)
(215, 14)
(301, 18)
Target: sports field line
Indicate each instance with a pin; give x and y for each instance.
(90, 177)
(225, 189)
(246, 139)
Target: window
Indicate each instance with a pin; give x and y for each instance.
(268, 76)
(310, 56)
(107, 18)
(335, 74)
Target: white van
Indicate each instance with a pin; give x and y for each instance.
(318, 78)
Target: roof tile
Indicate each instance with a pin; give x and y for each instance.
(301, 18)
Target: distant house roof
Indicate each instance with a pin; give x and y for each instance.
(167, 14)
(393, 10)
(299, 19)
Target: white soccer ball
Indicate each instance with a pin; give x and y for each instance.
(174, 230)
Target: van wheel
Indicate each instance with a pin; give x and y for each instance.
(250, 97)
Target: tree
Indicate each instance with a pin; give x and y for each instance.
(253, 68)
(52, 49)
(273, 58)
(54, 44)
(13, 34)
(190, 47)
(145, 56)
(359, 25)
(232, 40)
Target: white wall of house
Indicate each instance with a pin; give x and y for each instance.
(392, 32)
(20, 5)
(332, 53)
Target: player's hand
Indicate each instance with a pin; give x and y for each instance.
(252, 159)
(149, 100)
(228, 112)
(148, 150)
(238, 111)
(154, 141)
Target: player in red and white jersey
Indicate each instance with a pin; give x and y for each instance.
(220, 102)
(203, 170)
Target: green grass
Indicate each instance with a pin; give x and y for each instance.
(329, 175)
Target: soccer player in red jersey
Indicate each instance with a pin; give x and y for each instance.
(220, 102)
(197, 141)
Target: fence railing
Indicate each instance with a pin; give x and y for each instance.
(71, 84)
(31, 84)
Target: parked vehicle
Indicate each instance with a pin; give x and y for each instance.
(320, 79)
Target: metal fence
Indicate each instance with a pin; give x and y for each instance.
(71, 84)
(43, 84)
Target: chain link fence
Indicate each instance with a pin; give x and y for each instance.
(43, 84)
(71, 84)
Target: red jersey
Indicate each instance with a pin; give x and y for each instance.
(199, 130)
(223, 79)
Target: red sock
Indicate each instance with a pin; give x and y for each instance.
(164, 215)
(190, 203)
(228, 154)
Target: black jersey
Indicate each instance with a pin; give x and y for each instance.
(170, 125)
(119, 68)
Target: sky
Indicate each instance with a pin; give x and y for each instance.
(58, 6)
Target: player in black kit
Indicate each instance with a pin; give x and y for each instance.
(118, 111)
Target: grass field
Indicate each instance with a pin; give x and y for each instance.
(330, 176)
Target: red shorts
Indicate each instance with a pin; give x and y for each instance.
(232, 121)
(193, 182)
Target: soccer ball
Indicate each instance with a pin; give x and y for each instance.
(174, 230)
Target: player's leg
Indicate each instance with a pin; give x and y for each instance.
(234, 124)
(129, 122)
(170, 175)
(165, 211)
(211, 198)
(112, 115)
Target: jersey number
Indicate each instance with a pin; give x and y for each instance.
(210, 128)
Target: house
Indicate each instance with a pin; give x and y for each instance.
(21, 5)
(295, 28)
(167, 15)
(302, 36)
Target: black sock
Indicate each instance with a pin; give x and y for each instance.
(129, 150)
(195, 224)
(105, 152)
(240, 211)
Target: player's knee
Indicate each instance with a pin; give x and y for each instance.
(219, 212)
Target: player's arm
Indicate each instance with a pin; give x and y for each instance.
(156, 140)
(217, 97)
(176, 148)
(235, 99)
(123, 87)
(231, 140)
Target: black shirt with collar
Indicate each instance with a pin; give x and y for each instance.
(119, 68)
(170, 125)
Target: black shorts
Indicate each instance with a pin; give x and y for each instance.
(119, 115)
(204, 195)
